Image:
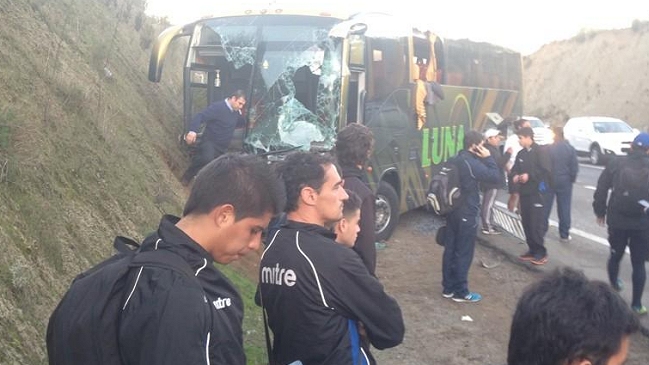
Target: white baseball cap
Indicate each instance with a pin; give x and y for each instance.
(491, 133)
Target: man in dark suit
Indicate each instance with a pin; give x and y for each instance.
(220, 119)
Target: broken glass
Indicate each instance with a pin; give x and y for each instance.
(294, 89)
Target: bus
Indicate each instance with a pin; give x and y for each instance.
(308, 73)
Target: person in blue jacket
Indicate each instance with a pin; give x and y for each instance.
(220, 120)
(476, 165)
(565, 167)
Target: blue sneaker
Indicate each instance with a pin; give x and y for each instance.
(619, 285)
(469, 298)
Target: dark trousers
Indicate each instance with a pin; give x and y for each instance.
(638, 242)
(207, 151)
(534, 223)
(459, 246)
(563, 193)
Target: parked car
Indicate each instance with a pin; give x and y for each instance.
(542, 133)
(599, 137)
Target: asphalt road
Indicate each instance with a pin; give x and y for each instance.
(583, 218)
(589, 249)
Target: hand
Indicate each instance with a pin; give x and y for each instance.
(481, 151)
(509, 150)
(523, 178)
(600, 221)
(190, 137)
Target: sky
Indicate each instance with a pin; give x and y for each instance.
(522, 25)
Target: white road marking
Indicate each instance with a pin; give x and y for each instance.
(590, 187)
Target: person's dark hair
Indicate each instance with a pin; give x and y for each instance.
(353, 144)
(566, 317)
(518, 123)
(352, 204)
(471, 138)
(237, 94)
(299, 170)
(245, 181)
(525, 132)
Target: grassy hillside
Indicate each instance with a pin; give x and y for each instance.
(87, 151)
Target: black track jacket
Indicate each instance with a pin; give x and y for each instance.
(315, 291)
(168, 319)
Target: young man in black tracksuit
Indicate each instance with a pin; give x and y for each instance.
(532, 172)
(314, 290)
(166, 318)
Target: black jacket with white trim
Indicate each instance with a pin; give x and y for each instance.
(315, 291)
(168, 318)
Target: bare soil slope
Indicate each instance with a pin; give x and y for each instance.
(594, 73)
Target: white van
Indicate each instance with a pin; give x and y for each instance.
(599, 137)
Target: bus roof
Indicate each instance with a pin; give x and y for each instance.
(277, 10)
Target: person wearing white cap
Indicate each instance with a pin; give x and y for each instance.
(490, 190)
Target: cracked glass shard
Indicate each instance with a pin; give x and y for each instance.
(295, 83)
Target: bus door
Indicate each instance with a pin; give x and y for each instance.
(212, 76)
(356, 92)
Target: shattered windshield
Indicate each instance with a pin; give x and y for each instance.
(293, 85)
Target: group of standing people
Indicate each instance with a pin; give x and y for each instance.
(539, 175)
(536, 176)
(317, 281)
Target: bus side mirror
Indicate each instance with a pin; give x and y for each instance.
(358, 29)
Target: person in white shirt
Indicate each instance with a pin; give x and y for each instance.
(512, 147)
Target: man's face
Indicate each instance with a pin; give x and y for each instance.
(525, 141)
(330, 198)
(620, 357)
(494, 140)
(617, 359)
(237, 103)
(347, 229)
(238, 238)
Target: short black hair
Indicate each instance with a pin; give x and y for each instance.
(237, 94)
(525, 132)
(566, 317)
(246, 181)
(301, 169)
(519, 122)
(352, 204)
(353, 143)
(471, 138)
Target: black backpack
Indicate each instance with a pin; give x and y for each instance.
(444, 193)
(630, 185)
(83, 329)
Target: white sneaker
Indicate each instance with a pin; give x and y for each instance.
(565, 239)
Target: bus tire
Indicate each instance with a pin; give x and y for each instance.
(387, 211)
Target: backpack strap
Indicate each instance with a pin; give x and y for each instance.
(164, 259)
(169, 260)
(125, 245)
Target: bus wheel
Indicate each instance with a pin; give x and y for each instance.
(387, 211)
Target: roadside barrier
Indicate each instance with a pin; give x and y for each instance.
(508, 221)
